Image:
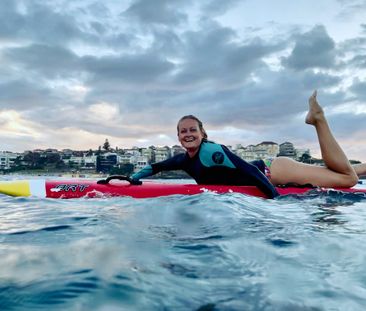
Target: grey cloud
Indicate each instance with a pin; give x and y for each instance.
(226, 93)
(218, 7)
(313, 49)
(351, 7)
(168, 43)
(211, 56)
(354, 45)
(10, 20)
(129, 68)
(74, 116)
(359, 61)
(313, 80)
(98, 10)
(207, 71)
(345, 124)
(160, 12)
(49, 61)
(44, 24)
(99, 28)
(276, 98)
(358, 87)
(23, 95)
(38, 23)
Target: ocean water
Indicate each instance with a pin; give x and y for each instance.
(202, 252)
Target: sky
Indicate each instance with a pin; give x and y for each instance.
(74, 73)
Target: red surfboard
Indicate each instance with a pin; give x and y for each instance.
(115, 186)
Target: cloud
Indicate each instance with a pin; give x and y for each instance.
(22, 94)
(216, 8)
(103, 112)
(313, 49)
(36, 22)
(358, 88)
(12, 125)
(212, 57)
(136, 68)
(158, 12)
(46, 61)
(129, 70)
(350, 8)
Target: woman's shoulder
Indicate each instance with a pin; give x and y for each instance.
(214, 154)
(211, 147)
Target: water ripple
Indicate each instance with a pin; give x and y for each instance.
(201, 252)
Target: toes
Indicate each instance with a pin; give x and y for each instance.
(313, 96)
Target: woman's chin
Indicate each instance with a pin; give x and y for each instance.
(190, 146)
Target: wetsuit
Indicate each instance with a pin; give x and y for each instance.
(215, 164)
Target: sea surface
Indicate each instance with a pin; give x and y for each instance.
(202, 252)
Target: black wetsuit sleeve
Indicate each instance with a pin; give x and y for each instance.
(262, 181)
(175, 163)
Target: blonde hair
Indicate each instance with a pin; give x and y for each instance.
(200, 124)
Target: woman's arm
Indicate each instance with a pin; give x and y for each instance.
(171, 164)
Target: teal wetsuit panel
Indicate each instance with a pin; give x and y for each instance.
(213, 155)
(145, 172)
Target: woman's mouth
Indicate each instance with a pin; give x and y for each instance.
(189, 139)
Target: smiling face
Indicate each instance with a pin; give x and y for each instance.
(190, 135)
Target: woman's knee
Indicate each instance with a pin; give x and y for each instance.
(351, 180)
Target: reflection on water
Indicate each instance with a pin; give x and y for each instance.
(204, 252)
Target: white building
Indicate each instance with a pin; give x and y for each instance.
(267, 149)
(7, 159)
(177, 150)
(90, 161)
(162, 153)
(75, 160)
(247, 153)
(140, 163)
(148, 153)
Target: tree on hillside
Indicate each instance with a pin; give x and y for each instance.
(53, 158)
(106, 145)
(34, 160)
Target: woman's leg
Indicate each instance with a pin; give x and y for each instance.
(337, 172)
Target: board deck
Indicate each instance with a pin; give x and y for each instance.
(78, 188)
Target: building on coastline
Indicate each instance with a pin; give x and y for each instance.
(247, 153)
(140, 163)
(263, 150)
(177, 150)
(287, 149)
(162, 153)
(267, 149)
(7, 159)
(148, 153)
(135, 157)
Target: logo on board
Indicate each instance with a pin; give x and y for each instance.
(71, 187)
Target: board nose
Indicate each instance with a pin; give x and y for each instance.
(16, 188)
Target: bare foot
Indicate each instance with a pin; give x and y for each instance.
(316, 112)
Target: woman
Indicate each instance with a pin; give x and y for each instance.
(210, 163)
